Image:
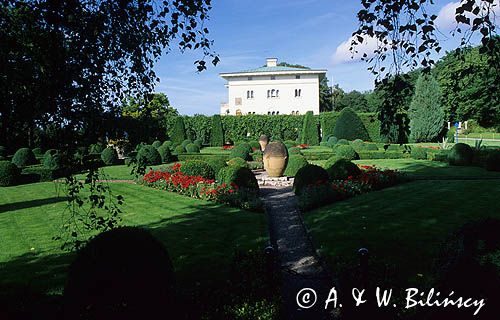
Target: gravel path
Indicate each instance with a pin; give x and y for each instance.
(301, 267)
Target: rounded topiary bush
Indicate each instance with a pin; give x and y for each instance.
(156, 144)
(179, 150)
(198, 143)
(323, 144)
(370, 147)
(240, 152)
(149, 156)
(167, 144)
(294, 150)
(8, 173)
(109, 156)
(241, 177)
(186, 142)
(246, 146)
(52, 160)
(295, 163)
(192, 148)
(96, 148)
(216, 163)
(124, 273)
(37, 152)
(419, 154)
(349, 126)
(254, 145)
(198, 168)
(460, 155)
(343, 142)
(309, 175)
(332, 141)
(237, 162)
(493, 161)
(342, 169)
(346, 152)
(165, 154)
(24, 157)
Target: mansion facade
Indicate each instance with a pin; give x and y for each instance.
(272, 90)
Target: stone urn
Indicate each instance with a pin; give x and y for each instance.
(263, 141)
(275, 159)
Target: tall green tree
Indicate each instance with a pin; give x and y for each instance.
(217, 134)
(426, 111)
(354, 100)
(310, 133)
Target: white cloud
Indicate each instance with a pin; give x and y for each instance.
(344, 55)
(445, 20)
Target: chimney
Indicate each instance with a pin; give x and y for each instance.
(271, 62)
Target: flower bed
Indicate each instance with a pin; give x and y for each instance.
(174, 180)
(371, 179)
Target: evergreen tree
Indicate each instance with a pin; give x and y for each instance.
(310, 134)
(217, 135)
(349, 126)
(426, 110)
(179, 133)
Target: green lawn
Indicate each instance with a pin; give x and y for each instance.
(214, 150)
(119, 172)
(404, 226)
(200, 236)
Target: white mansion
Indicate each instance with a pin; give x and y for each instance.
(272, 90)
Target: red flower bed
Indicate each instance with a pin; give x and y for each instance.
(303, 146)
(227, 147)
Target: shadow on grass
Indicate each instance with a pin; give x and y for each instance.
(30, 204)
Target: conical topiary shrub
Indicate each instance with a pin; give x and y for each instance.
(179, 133)
(217, 135)
(350, 127)
(310, 134)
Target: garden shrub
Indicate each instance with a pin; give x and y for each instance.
(323, 144)
(96, 148)
(37, 152)
(245, 146)
(332, 141)
(148, 155)
(202, 156)
(240, 152)
(217, 133)
(109, 156)
(257, 156)
(309, 175)
(216, 162)
(241, 177)
(165, 154)
(167, 144)
(9, 173)
(52, 160)
(198, 143)
(346, 152)
(198, 168)
(309, 134)
(125, 273)
(179, 150)
(192, 148)
(294, 150)
(24, 157)
(341, 169)
(41, 174)
(254, 145)
(156, 144)
(295, 163)
(237, 162)
(289, 144)
(370, 147)
(419, 153)
(342, 142)
(460, 155)
(179, 132)
(310, 156)
(186, 142)
(349, 126)
(493, 161)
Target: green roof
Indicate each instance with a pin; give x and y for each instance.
(274, 69)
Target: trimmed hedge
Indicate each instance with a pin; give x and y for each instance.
(52, 160)
(349, 126)
(198, 168)
(109, 156)
(241, 177)
(179, 131)
(165, 154)
(237, 162)
(192, 148)
(309, 134)
(295, 163)
(217, 134)
(493, 161)
(309, 175)
(167, 144)
(186, 142)
(346, 152)
(342, 142)
(369, 120)
(37, 152)
(156, 144)
(198, 143)
(9, 173)
(179, 150)
(318, 155)
(149, 156)
(418, 153)
(341, 169)
(461, 154)
(240, 151)
(216, 162)
(202, 156)
(41, 174)
(24, 157)
(294, 150)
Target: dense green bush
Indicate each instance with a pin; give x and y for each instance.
(179, 132)
(198, 168)
(418, 153)
(192, 148)
(323, 144)
(217, 133)
(245, 146)
(186, 142)
(24, 157)
(349, 126)
(240, 152)
(346, 152)
(238, 162)
(295, 163)
(52, 160)
(357, 144)
(460, 155)
(309, 134)
(149, 156)
(242, 177)
(254, 145)
(216, 162)
(167, 144)
(332, 141)
(156, 144)
(179, 150)
(37, 152)
(341, 169)
(309, 175)
(9, 173)
(294, 150)
(165, 154)
(257, 156)
(96, 148)
(198, 143)
(493, 161)
(40, 174)
(370, 147)
(109, 156)
(342, 142)
(289, 144)
(370, 121)
(312, 156)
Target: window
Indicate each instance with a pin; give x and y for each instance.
(298, 92)
(297, 112)
(297, 77)
(272, 113)
(268, 93)
(273, 92)
(277, 93)
(293, 113)
(273, 77)
(237, 101)
(250, 94)
(277, 112)
(269, 113)
(250, 78)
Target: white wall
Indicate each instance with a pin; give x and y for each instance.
(285, 103)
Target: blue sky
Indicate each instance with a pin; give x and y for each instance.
(308, 32)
